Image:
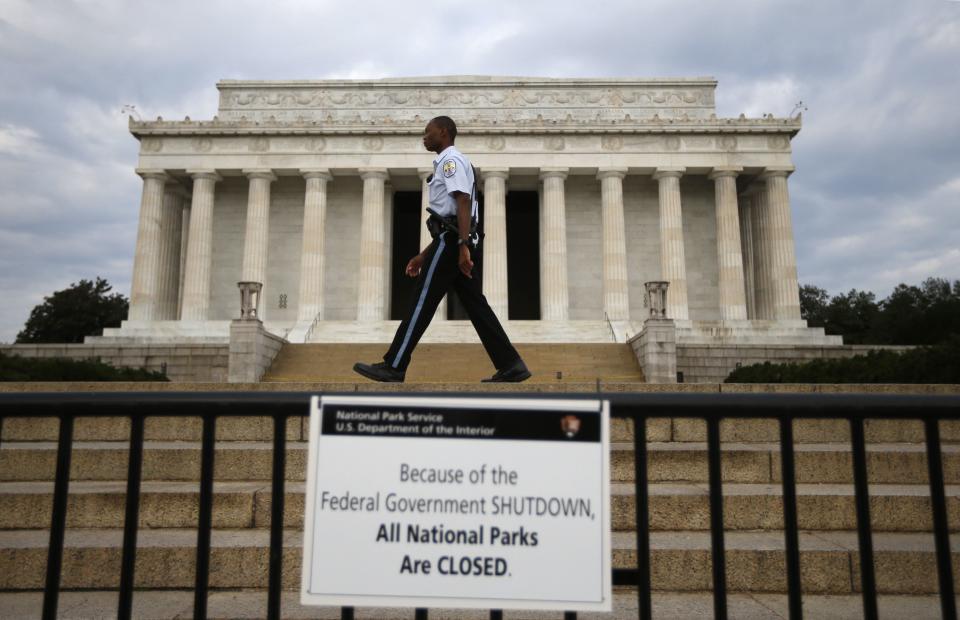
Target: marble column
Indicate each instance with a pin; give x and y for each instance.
(733, 299)
(616, 299)
(554, 296)
(145, 284)
(673, 267)
(256, 239)
(196, 283)
(388, 194)
(425, 238)
(760, 224)
(783, 285)
(184, 241)
(747, 247)
(495, 240)
(371, 305)
(171, 224)
(312, 253)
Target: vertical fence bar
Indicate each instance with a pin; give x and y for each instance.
(205, 518)
(276, 515)
(790, 529)
(346, 613)
(941, 533)
(717, 550)
(131, 520)
(58, 520)
(867, 579)
(641, 494)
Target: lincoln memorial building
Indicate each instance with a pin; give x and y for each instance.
(590, 188)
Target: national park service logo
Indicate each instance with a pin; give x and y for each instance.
(449, 168)
(570, 424)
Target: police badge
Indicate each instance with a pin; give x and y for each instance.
(449, 168)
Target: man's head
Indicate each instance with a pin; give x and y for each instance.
(439, 133)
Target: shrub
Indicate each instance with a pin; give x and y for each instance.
(933, 364)
(17, 368)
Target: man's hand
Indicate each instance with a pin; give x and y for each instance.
(466, 263)
(414, 266)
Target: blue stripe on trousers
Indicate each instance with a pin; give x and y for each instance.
(423, 296)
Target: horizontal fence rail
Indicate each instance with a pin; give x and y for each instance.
(786, 408)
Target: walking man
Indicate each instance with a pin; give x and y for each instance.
(447, 263)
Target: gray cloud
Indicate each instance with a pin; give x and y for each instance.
(875, 196)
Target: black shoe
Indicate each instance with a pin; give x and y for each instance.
(512, 374)
(381, 371)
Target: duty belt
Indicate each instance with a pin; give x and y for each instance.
(438, 224)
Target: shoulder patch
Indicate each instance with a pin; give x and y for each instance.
(449, 168)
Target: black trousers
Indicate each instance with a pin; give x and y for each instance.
(440, 274)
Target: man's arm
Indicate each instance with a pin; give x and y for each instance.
(464, 220)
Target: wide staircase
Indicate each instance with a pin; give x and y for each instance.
(460, 363)
(679, 519)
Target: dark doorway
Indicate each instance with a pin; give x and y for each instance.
(406, 242)
(523, 256)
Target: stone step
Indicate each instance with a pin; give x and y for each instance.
(893, 463)
(252, 604)
(905, 563)
(673, 507)
(740, 430)
(443, 363)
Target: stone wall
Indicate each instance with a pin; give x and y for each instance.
(713, 363)
(184, 363)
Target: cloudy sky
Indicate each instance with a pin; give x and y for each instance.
(876, 195)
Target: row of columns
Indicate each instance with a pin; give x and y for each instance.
(173, 258)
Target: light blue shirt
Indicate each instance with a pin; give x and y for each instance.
(452, 172)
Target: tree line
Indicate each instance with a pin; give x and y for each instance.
(926, 314)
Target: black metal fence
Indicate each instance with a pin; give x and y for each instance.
(855, 408)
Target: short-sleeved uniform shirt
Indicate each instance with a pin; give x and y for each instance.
(451, 173)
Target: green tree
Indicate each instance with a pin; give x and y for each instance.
(813, 305)
(852, 315)
(82, 309)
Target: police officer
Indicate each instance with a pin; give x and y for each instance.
(447, 263)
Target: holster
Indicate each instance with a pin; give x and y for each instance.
(437, 225)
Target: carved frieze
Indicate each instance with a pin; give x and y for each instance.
(502, 100)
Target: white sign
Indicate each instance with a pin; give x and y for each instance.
(458, 502)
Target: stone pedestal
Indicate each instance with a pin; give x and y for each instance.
(656, 350)
(252, 351)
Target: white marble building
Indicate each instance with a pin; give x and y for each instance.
(591, 188)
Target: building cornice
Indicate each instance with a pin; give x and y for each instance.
(742, 125)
